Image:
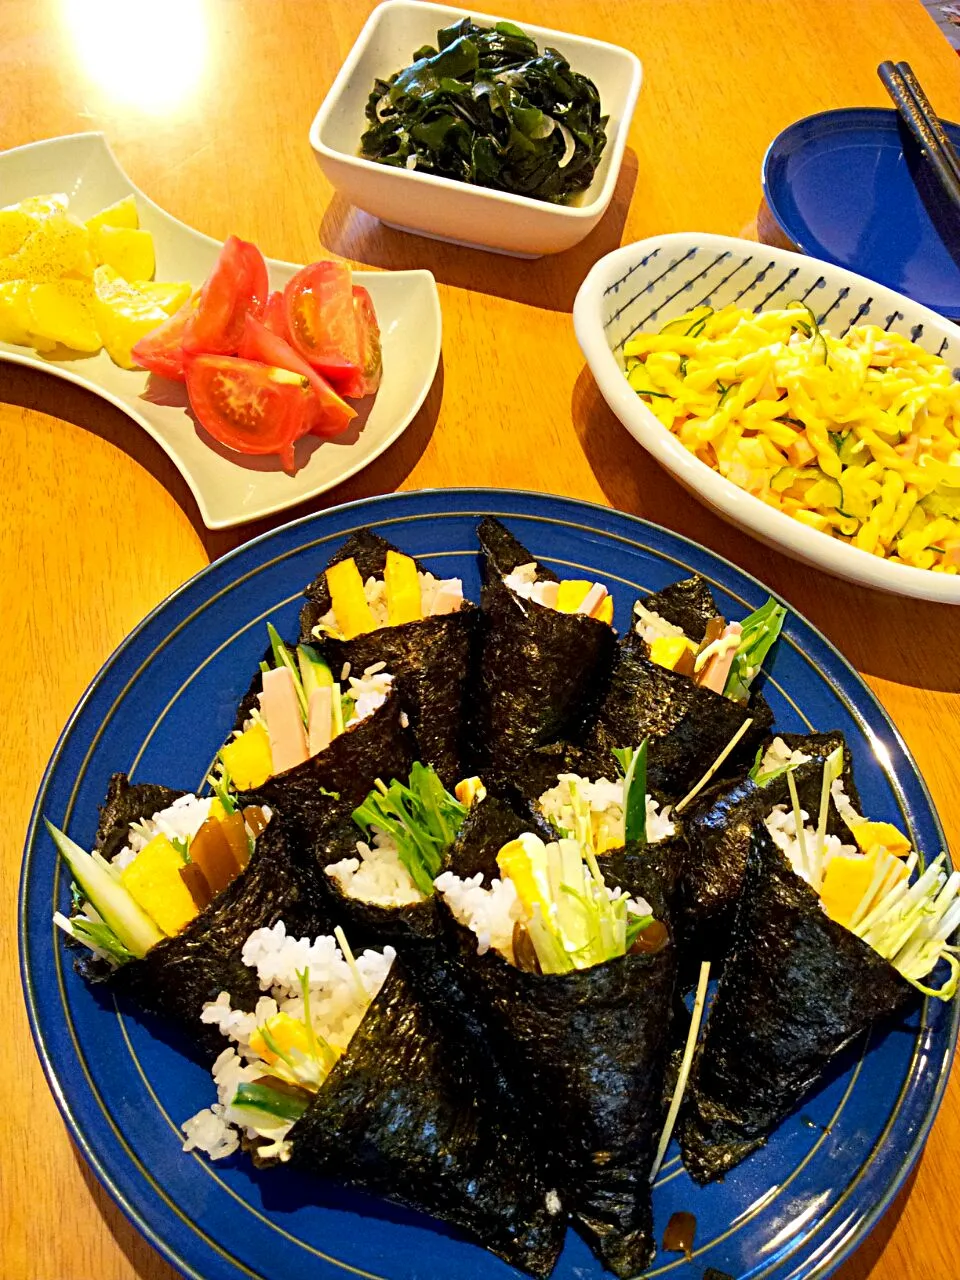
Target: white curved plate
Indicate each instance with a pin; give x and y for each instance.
(655, 280)
(230, 489)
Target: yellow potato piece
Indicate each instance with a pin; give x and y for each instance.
(171, 296)
(122, 314)
(15, 318)
(15, 226)
(61, 311)
(41, 206)
(59, 246)
(130, 253)
(121, 214)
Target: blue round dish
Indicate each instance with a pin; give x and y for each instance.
(159, 710)
(843, 187)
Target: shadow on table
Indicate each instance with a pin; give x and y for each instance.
(145, 1262)
(46, 394)
(550, 282)
(911, 642)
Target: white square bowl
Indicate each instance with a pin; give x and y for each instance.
(644, 285)
(442, 208)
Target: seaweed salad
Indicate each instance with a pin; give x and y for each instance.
(489, 108)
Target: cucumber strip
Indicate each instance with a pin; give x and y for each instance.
(315, 673)
(270, 1102)
(118, 909)
(634, 765)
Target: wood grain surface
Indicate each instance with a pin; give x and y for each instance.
(207, 104)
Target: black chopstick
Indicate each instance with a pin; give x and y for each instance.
(918, 115)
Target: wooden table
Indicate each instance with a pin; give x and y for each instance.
(207, 106)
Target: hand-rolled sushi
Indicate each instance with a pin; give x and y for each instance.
(344, 1072)
(828, 938)
(574, 978)
(374, 604)
(307, 736)
(173, 887)
(378, 862)
(606, 806)
(719, 824)
(689, 691)
(547, 650)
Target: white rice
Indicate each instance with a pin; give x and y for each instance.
(782, 825)
(377, 875)
(375, 590)
(337, 1006)
(179, 821)
(369, 692)
(650, 625)
(845, 809)
(779, 756)
(605, 799)
(490, 912)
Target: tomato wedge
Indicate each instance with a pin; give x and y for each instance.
(322, 322)
(237, 284)
(332, 415)
(161, 350)
(275, 315)
(250, 407)
(367, 380)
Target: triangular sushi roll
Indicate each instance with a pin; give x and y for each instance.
(547, 650)
(719, 824)
(378, 861)
(574, 979)
(174, 886)
(606, 805)
(800, 985)
(687, 604)
(306, 741)
(688, 726)
(347, 1073)
(492, 821)
(374, 604)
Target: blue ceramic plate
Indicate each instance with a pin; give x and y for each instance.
(842, 187)
(160, 708)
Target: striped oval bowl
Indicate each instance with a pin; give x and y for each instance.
(653, 281)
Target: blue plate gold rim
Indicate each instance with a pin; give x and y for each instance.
(590, 531)
(777, 193)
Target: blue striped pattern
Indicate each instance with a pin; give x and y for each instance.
(659, 288)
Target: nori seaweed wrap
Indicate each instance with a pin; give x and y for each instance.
(378, 746)
(687, 726)
(433, 658)
(540, 773)
(588, 1051)
(180, 974)
(687, 604)
(411, 1112)
(542, 670)
(797, 989)
(718, 828)
(491, 823)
